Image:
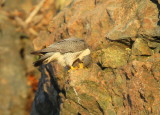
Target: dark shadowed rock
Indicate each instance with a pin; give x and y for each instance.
(47, 100)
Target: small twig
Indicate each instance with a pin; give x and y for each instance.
(34, 12)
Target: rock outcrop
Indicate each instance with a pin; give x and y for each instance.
(124, 36)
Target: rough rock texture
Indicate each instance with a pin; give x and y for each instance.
(114, 56)
(124, 36)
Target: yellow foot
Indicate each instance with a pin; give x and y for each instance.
(81, 66)
(72, 68)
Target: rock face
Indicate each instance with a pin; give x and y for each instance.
(124, 36)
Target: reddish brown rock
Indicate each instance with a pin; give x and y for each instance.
(95, 20)
(143, 88)
(124, 77)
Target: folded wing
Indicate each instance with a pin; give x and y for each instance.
(65, 46)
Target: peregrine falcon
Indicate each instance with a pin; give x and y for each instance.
(66, 52)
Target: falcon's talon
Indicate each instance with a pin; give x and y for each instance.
(72, 68)
(81, 66)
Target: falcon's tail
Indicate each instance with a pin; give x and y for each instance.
(37, 52)
(34, 52)
(42, 59)
(37, 63)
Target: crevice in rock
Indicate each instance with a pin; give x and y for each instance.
(110, 17)
(145, 68)
(125, 100)
(112, 101)
(82, 106)
(150, 38)
(79, 113)
(158, 23)
(152, 48)
(21, 52)
(64, 93)
(115, 93)
(61, 36)
(132, 73)
(127, 78)
(100, 108)
(144, 55)
(64, 19)
(128, 41)
(84, 33)
(156, 39)
(67, 31)
(100, 65)
(142, 97)
(129, 100)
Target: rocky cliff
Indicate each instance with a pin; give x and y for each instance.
(124, 77)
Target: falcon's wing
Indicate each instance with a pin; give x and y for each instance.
(64, 46)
